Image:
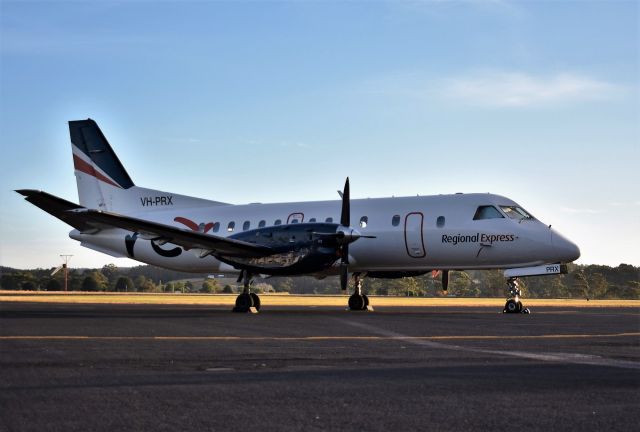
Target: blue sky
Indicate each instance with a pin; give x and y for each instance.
(280, 101)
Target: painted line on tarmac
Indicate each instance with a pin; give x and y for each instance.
(381, 337)
(574, 358)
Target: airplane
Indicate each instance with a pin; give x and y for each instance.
(392, 237)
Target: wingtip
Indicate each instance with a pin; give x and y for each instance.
(27, 192)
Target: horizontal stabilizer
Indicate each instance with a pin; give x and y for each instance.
(57, 207)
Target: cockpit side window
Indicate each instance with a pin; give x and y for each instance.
(487, 212)
(515, 212)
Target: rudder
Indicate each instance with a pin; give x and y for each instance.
(98, 169)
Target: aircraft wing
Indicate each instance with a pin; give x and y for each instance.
(85, 219)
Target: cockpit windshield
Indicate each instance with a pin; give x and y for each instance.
(487, 212)
(517, 213)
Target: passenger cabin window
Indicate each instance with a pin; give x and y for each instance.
(515, 212)
(395, 220)
(278, 222)
(231, 226)
(245, 225)
(487, 212)
(216, 227)
(312, 220)
(329, 220)
(363, 221)
(262, 224)
(440, 221)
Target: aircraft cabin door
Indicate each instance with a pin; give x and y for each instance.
(413, 239)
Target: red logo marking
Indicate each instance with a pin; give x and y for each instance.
(192, 225)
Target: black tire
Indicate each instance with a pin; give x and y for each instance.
(366, 300)
(356, 302)
(512, 306)
(519, 307)
(256, 300)
(243, 303)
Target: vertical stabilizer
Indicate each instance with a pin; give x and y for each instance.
(99, 172)
(104, 184)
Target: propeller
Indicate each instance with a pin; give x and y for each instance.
(345, 221)
(345, 235)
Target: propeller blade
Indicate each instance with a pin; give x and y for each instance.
(344, 276)
(344, 252)
(445, 280)
(345, 216)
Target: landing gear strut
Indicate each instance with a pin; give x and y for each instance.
(358, 301)
(247, 300)
(513, 304)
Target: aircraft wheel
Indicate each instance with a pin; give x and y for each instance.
(366, 300)
(357, 302)
(256, 300)
(243, 303)
(512, 306)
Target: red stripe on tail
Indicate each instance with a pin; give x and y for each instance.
(81, 165)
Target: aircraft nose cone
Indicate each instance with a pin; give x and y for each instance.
(567, 250)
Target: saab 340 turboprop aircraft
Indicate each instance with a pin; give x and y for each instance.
(378, 237)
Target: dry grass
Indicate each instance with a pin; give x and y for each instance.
(291, 300)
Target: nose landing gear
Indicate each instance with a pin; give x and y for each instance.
(513, 304)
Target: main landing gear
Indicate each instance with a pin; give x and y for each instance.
(357, 300)
(246, 300)
(513, 304)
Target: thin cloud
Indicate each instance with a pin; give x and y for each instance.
(517, 89)
(625, 204)
(182, 140)
(580, 210)
(296, 144)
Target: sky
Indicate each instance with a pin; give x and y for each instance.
(262, 101)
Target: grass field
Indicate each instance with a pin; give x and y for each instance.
(290, 300)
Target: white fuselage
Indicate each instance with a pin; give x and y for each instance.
(411, 233)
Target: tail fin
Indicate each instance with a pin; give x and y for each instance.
(97, 167)
(104, 184)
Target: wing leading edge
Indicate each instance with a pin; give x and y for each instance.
(87, 220)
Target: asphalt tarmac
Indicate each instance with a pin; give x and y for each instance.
(68, 367)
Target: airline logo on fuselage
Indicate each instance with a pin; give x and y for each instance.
(165, 200)
(477, 238)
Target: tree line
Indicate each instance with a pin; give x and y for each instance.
(582, 281)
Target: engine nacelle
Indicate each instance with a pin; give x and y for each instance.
(297, 248)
